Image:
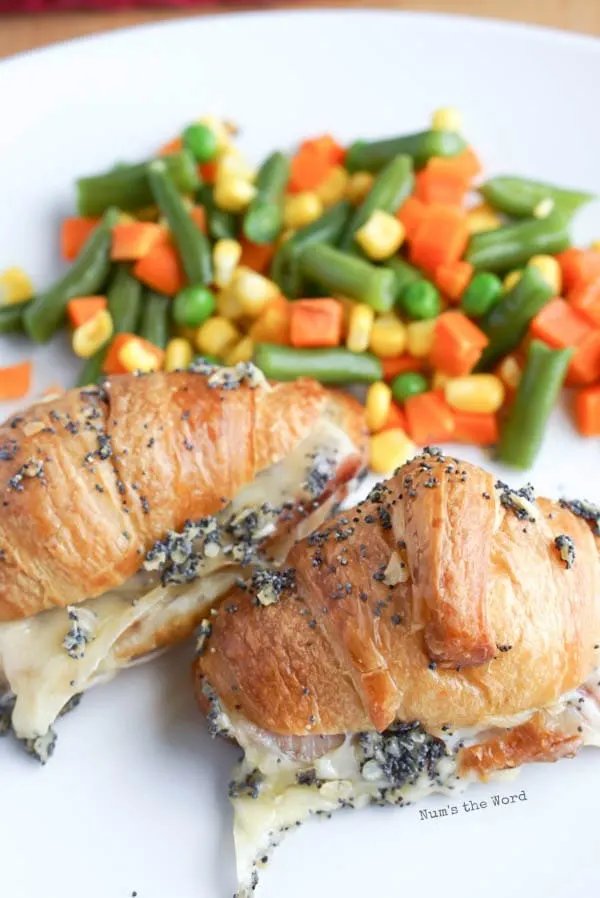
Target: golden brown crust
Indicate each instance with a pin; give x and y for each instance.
(116, 468)
(367, 650)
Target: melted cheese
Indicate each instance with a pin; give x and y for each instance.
(44, 676)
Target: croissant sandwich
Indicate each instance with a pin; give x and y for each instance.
(443, 631)
(127, 509)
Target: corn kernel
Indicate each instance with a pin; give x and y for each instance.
(550, 270)
(439, 380)
(88, 338)
(509, 372)
(233, 194)
(359, 185)
(241, 352)
(390, 449)
(482, 218)
(511, 280)
(228, 305)
(217, 336)
(544, 208)
(483, 393)
(226, 255)
(360, 323)
(233, 164)
(381, 235)
(301, 209)
(15, 286)
(447, 118)
(134, 356)
(379, 400)
(596, 246)
(178, 354)
(419, 337)
(333, 188)
(252, 290)
(388, 337)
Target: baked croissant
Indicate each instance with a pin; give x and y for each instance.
(444, 630)
(127, 509)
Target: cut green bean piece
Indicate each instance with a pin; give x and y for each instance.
(507, 321)
(222, 225)
(404, 273)
(86, 277)
(543, 376)
(11, 317)
(128, 186)
(92, 369)
(339, 273)
(264, 219)
(391, 187)
(330, 366)
(192, 244)
(124, 300)
(155, 319)
(519, 197)
(514, 245)
(373, 155)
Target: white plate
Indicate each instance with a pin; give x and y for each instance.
(134, 799)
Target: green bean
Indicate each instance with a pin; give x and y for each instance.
(155, 319)
(518, 197)
(92, 369)
(11, 317)
(515, 244)
(192, 244)
(264, 219)
(330, 366)
(338, 272)
(85, 277)
(390, 188)
(222, 225)
(543, 376)
(373, 155)
(128, 186)
(327, 229)
(124, 301)
(405, 274)
(507, 321)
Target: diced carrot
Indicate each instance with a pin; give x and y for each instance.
(328, 146)
(161, 270)
(131, 242)
(173, 146)
(411, 213)
(273, 325)
(441, 237)
(112, 364)
(587, 411)
(428, 418)
(453, 279)
(477, 429)
(309, 168)
(469, 163)
(198, 216)
(208, 172)
(15, 381)
(457, 344)
(584, 368)
(400, 364)
(585, 297)
(442, 181)
(395, 419)
(83, 308)
(316, 322)
(578, 266)
(256, 256)
(559, 325)
(73, 234)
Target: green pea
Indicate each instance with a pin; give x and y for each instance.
(421, 300)
(482, 293)
(201, 141)
(193, 305)
(411, 383)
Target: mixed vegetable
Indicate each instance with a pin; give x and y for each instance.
(462, 305)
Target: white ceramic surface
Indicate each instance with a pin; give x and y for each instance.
(134, 799)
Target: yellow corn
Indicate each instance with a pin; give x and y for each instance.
(379, 399)
(226, 255)
(134, 356)
(381, 235)
(178, 354)
(544, 208)
(388, 336)
(447, 118)
(15, 286)
(482, 218)
(359, 185)
(482, 393)
(360, 323)
(390, 449)
(252, 290)
(333, 188)
(419, 337)
(233, 193)
(233, 164)
(88, 338)
(301, 209)
(241, 352)
(216, 336)
(511, 280)
(509, 372)
(596, 246)
(228, 305)
(550, 270)
(439, 380)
